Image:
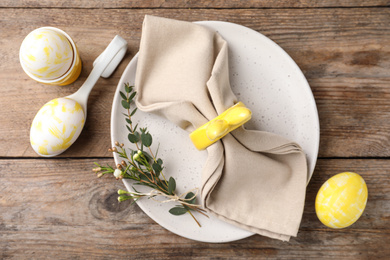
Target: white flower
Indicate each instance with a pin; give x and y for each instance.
(117, 173)
(135, 157)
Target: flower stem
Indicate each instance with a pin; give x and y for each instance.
(189, 211)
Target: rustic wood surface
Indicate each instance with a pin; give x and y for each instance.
(56, 208)
(238, 4)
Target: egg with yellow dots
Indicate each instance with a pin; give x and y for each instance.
(341, 200)
(56, 126)
(46, 54)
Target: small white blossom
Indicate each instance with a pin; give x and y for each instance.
(117, 173)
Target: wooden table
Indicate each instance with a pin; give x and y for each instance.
(57, 208)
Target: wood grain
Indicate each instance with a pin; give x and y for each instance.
(192, 3)
(57, 208)
(348, 73)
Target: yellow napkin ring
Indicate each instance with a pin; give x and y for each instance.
(220, 126)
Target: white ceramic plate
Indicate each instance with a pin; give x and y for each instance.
(269, 82)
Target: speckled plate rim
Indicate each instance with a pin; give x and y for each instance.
(304, 87)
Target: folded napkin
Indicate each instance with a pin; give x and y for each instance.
(252, 179)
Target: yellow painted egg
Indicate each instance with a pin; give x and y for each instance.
(56, 126)
(341, 200)
(46, 54)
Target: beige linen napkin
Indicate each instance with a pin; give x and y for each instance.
(252, 179)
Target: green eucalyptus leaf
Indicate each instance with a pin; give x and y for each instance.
(125, 104)
(157, 168)
(171, 185)
(189, 196)
(159, 161)
(133, 138)
(123, 95)
(128, 121)
(146, 139)
(127, 88)
(132, 95)
(128, 128)
(133, 112)
(177, 211)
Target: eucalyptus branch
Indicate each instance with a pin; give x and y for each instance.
(144, 168)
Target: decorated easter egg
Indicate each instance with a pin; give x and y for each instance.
(46, 54)
(56, 126)
(341, 200)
